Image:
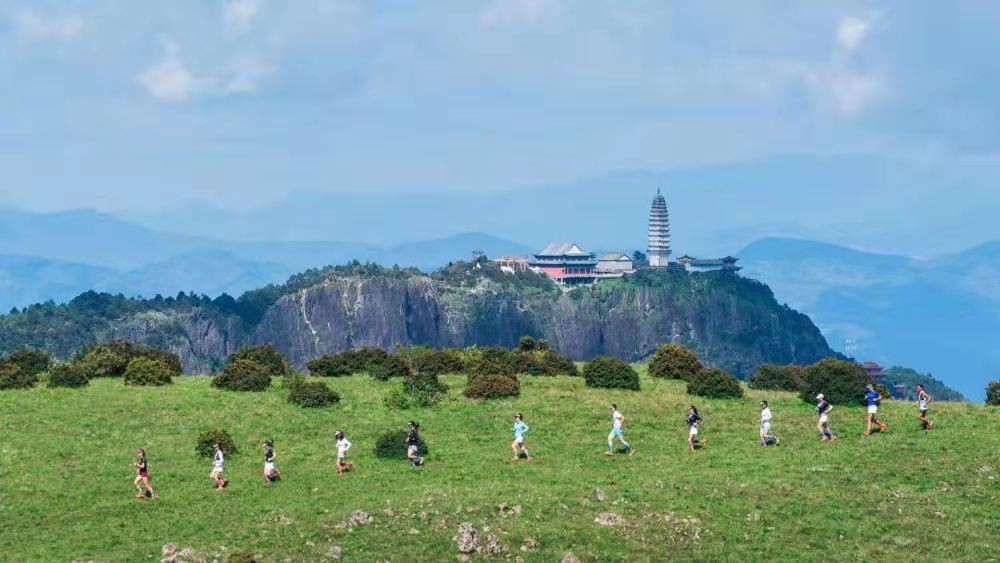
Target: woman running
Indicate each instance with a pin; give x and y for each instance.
(143, 477)
(342, 446)
(271, 472)
(923, 397)
(218, 466)
(413, 445)
(824, 408)
(765, 423)
(520, 429)
(872, 399)
(694, 425)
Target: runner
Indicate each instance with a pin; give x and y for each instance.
(617, 431)
(342, 446)
(872, 399)
(923, 397)
(824, 408)
(413, 445)
(143, 477)
(765, 423)
(694, 425)
(271, 472)
(218, 466)
(520, 429)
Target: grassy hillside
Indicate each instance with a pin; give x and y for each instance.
(904, 495)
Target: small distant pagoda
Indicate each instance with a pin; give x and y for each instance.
(659, 233)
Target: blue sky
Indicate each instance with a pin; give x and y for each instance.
(144, 105)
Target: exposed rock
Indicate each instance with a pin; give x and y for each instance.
(169, 549)
(467, 539)
(601, 496)
(529, 544)
(335, 552)
(357, 518)
(570, 558)
(609, 519)
(493, 546)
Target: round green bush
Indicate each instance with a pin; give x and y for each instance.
(771, 377)
(841, 382)
(714, 384)
(391, 366)
(439, 362)
(492, 387)
(170, 360)
(883, 389)
(313, 394)
(424, 389)
(111, 359)
(392, 445)
(547, 362)
(396, 400)
(67, 375)
(146, 371)
(336, 365)
(30, 361)
(205, 446)
(265, 355)
(993, 393)
(610, 373)
(243, 375)
(527, 344)
(673, 361)
(12, 377)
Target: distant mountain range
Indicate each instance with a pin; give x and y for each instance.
(940, 316)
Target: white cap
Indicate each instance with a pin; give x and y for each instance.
(820, 396)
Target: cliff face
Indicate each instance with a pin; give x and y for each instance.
(733, 323)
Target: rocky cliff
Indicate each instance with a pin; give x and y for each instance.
(732, 322)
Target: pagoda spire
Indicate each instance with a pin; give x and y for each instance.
(659, 232)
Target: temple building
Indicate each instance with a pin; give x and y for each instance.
(693, 264)
(875, 371)
(567, 263)
(615, 263)
(659, 233)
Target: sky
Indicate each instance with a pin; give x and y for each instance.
(120, 105)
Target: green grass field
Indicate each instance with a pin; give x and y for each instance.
(66, 479)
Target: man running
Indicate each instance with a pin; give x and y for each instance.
(923, 397)
(143, 476)
(694, 426)
(520, 429)
(765, 423)
(872, 399)
(617, 431)
(824, 408)
(413, 445)
(218, 466)
(342, 446)
(271, 472)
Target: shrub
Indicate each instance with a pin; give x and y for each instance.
(547, 362)
(492, 386)
(12, 377)
(673, 361)
(527, 344)
(170, 360)
(714, 384)
(336, 365)
(393, 445)
(32, 362)
(542, 344)
(67, 375)
(145, 371)
(439, 362)
(111, 359)
(840, 381)
(993, 393)
(396, 400)
(265, 355)
(771, 377)
(391, 366)
(883, 389)
(243, 375)
(424, 389)
(610, 373)
(293, 381)
(205, 447)
(366, 359)
(313, 394)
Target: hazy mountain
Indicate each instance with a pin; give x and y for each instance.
(865, 202)
(939, 316)
(25, 280)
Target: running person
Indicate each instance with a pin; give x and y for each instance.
(142, 478)
(271, 472)
(923, 397)
(824, 408)
(872, 398)
(342, 446)
(694, 425)
(218, 466)
(413, 445)
(617, 431)
(520, 429)
(765, 422)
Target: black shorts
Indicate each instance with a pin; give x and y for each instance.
(923, 412)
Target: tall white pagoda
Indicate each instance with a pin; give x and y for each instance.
(659, 233)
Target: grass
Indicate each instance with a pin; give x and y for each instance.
(65, 477)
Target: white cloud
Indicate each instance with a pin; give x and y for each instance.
(512, 12)
(169, 80)
(240, 13)
(852, 31)
(32, 25)
(245, 74)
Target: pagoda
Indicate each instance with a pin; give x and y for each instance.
(659, 233)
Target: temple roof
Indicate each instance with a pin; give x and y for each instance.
(563, 249)
(614, 257)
